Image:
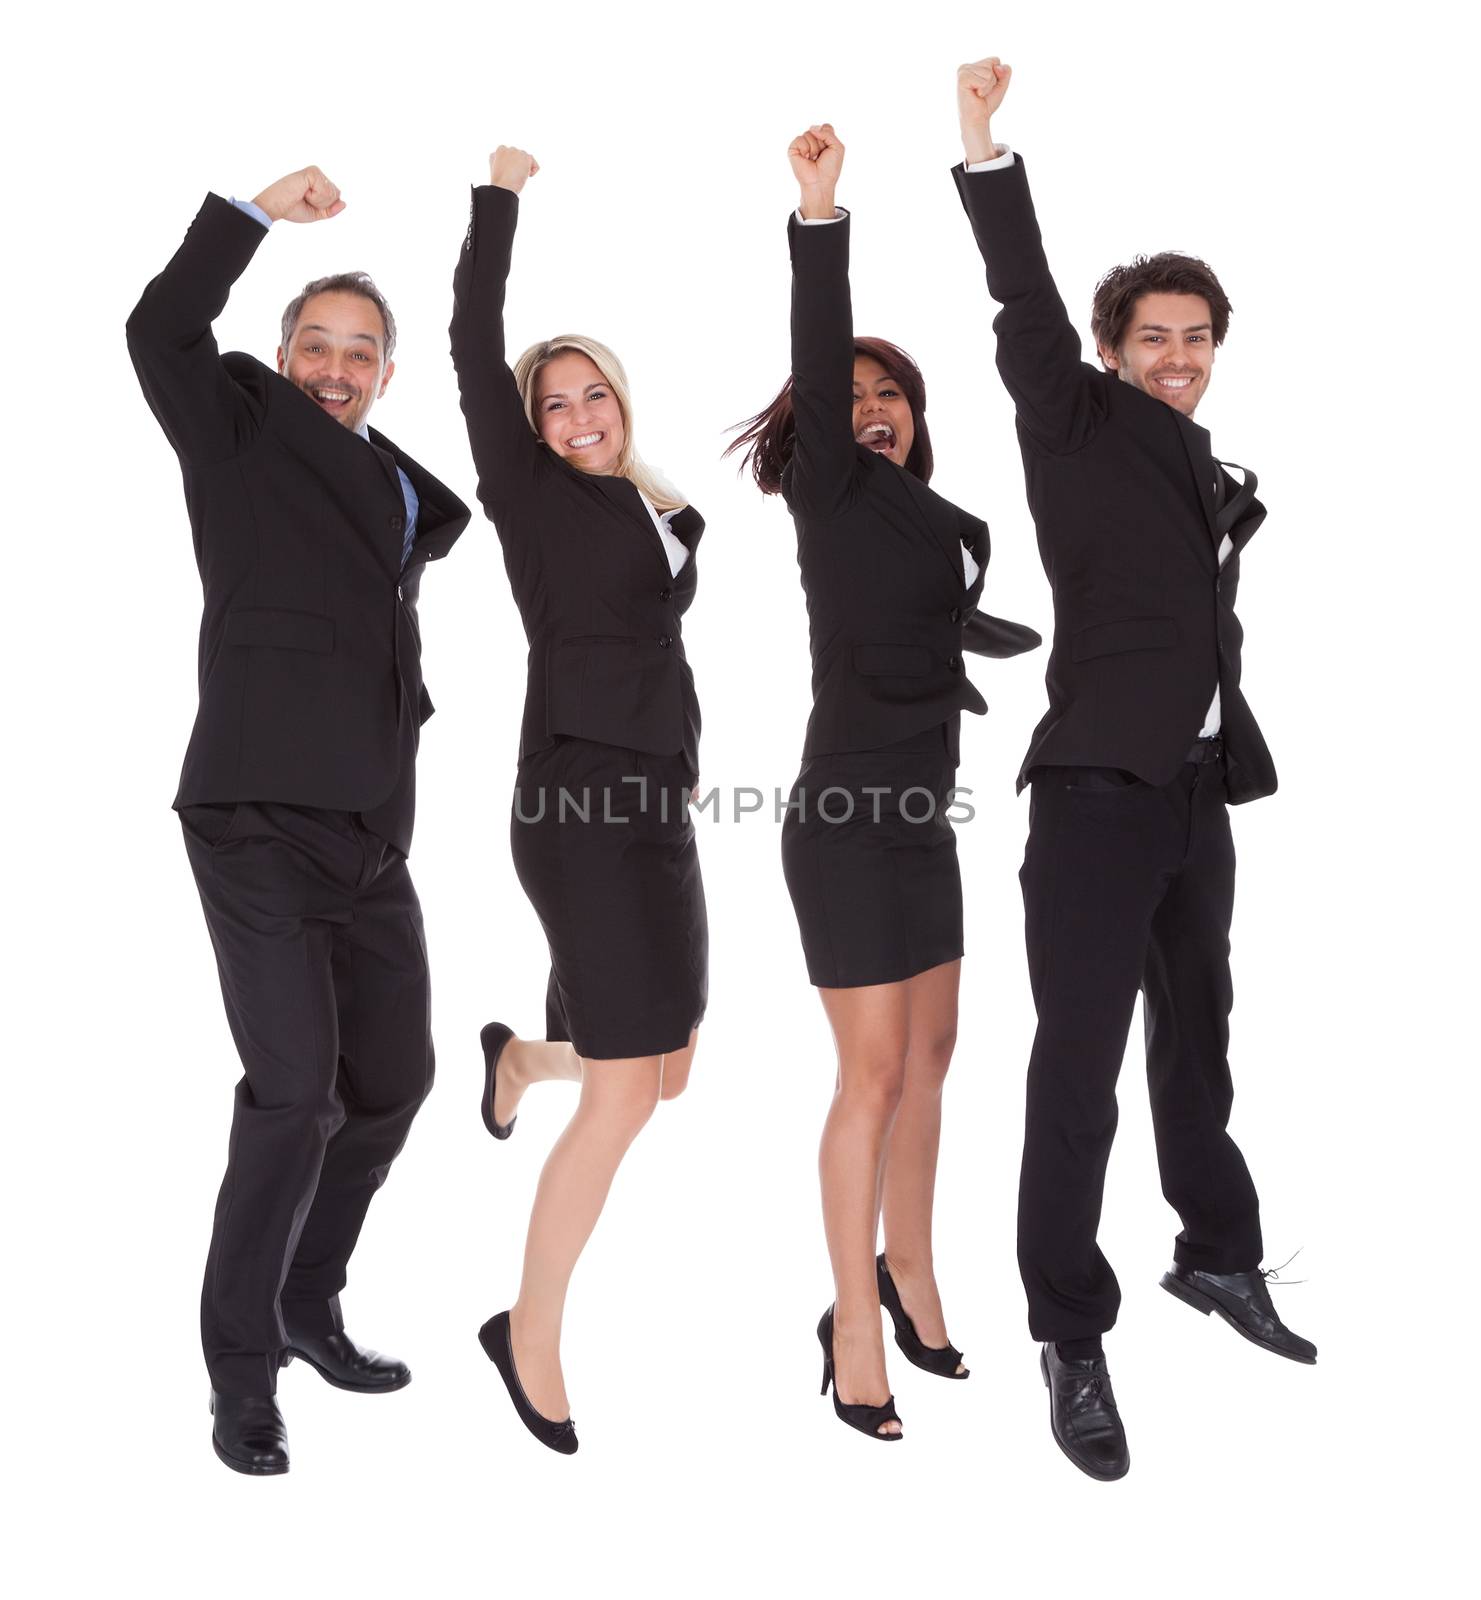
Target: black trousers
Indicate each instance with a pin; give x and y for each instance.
(323, 964)
(1127, 887)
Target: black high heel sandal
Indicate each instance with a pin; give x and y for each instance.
(498, 1346)
(867, 1419)
(943, 1360)
(493, 1038)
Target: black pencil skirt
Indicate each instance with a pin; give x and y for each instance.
(870, 861)
(605, 848)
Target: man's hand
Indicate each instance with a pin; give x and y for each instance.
(511, 169)
(980, 87)
(817, 160)
(306, 196)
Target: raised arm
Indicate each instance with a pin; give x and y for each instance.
(823, 456)
(505, 449)
(205, 415)
(1039, 356)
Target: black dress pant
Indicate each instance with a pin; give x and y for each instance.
(1127, 887)
(319, 944)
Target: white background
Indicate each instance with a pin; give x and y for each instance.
(1319, 157)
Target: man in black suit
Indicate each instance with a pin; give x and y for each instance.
(1128, 877)
(296, 798)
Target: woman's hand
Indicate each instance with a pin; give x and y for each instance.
(980, 87)
(817, 160)
(510, 168)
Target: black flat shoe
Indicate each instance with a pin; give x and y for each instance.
(1243, 1301)
(499, 1348)
(867, 1419)
(1082, 1415)
(340, 1361)
(493, 1039)
(248, 1434)
(943, 1360)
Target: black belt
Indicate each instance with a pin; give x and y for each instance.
(1206, 750)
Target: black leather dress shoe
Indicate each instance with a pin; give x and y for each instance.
(1243, 1301)
(248, 1434)
(1083, 1416)
(340, 1361)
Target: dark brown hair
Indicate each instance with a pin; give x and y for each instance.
(359, 283)
(768, 437)
(1167, 272)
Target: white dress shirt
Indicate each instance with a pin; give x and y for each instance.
(673, 547)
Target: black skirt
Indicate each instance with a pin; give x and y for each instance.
(605, 848)
(870, 860)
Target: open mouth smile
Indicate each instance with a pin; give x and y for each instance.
(877, 436)
(331, 398)
(1173, 382)
(584, 441)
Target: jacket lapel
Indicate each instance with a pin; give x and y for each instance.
(1196, 446)
(907, 491)
(622, 494)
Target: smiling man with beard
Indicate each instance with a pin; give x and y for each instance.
(297, 793)
(1128, 876)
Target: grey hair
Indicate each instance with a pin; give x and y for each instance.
(360, 283)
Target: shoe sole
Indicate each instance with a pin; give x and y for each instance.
(500, 1130)
(1064, 1450)
(339, 1383)
(1206, 1303)
(245, 1467)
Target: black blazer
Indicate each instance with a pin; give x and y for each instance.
(1121, 487)
(310, 667)
(889, 613)
(600, 607)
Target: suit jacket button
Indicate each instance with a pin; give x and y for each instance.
(665, 593)
(955, 663)
(398, 524)
(956, 613)
(665, 641)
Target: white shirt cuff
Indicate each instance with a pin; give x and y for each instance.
(1003, 158)
(839, 213)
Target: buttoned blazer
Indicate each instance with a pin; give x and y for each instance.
(880, 553)
(601, 608)
(1122, 491)
(309, 660)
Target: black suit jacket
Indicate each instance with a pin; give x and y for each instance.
(600, 607)
(310, 667)
(889, 614)
(1121, 487)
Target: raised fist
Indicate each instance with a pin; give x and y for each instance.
(817, 157)
(306, 196)
(510, 168)
(980, 87)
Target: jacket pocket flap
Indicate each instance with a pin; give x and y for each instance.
(281, 630)
(892, 660)
(1126, 633)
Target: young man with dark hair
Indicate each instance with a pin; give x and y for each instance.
(1128, 876)
(296, 797)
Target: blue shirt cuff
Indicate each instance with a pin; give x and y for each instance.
(253, 210)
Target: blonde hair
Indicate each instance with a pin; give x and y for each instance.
(629, 463)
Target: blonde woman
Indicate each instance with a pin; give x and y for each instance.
(600, 556)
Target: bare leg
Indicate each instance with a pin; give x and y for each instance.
(617, 1098)
(910, 1160)
(676, 1065)
(870, 1029)
(526, 1061)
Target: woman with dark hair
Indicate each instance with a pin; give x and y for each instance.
(600, 554)
(892, 574)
